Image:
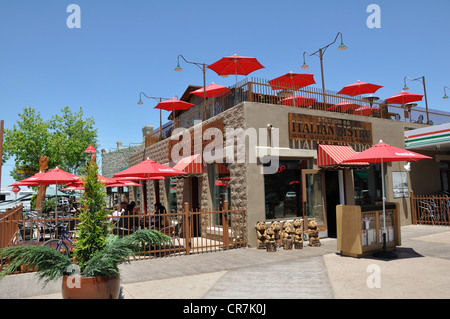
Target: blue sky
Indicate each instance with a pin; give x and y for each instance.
(125, 47)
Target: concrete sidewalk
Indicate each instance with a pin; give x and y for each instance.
(420, 271)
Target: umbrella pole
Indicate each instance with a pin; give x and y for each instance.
(384, 253)
(384, 205)
(56, 201)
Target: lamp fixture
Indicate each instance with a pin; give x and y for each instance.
(320, 52)
(201, 66)
(342, 47)
(445, 93)
(421, 79)
(178, 68)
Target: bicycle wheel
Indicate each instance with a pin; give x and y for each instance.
(55, 243)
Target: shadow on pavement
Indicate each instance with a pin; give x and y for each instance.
(399, 253)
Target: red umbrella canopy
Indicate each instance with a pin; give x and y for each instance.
(73, 188)
(131, 178)
(212, 90)
(104, 180)
(148, 169)
(359, 88)
(292, 81)
(382, 153)
(365, 110)
(32, 180)
(56, 176)
(298, 100)
(22, 183)
(174, 105)
(123, 184)
(404, 97)
(344, 106)
(236, 64)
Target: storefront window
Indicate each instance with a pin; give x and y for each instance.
(172, 194)
(367, 185)
(283, 190)
(222, 191)
(444, 168)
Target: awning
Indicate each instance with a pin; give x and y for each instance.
(334, 155)
(190, 164)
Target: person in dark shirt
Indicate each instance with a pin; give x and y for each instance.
(161, 219)
(128, 221)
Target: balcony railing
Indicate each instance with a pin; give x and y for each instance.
(258, 90)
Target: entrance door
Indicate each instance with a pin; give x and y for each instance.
(195, 206)
(313, 197)
(332, 199)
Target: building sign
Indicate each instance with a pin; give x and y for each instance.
(197, 140)
(329, 130)
(26, 171)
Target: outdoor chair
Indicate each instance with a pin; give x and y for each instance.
(173, 231)
(427, 211)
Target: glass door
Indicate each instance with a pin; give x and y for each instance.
(313, 198)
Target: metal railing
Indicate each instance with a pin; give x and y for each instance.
(259, 90)
(190, 231)
(431, 209)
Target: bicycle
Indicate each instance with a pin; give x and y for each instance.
(58, 244)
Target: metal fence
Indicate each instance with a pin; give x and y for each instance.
(430, 209)
(190, 231)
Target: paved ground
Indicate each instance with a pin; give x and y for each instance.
(420, 271)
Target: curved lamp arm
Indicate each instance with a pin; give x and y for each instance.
(159, 99)
(421, 79)
(200, 65)
(322, 50)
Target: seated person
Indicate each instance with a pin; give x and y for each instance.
(161, 220)
(128, 221)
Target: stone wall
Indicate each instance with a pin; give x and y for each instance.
(115, 161)
(232, 118)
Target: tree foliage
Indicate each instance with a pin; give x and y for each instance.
(63, 138)
(92, 228)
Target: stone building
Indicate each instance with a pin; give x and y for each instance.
(272, 163)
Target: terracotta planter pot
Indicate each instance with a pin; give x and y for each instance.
(99, 287)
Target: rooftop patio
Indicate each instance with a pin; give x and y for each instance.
(260, 91)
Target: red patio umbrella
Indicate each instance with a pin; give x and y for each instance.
(365, 110)
(104, 180)
(148, 169)
(22, 183)
(292, 81)
(56, 176)
(123, 183)
(131, 178)
(403, 98)
(344, 106)
(383, 153)
(173, 105)
(359, 88)
(73, 188)
(235, 64)
(298, 100)
(212, 90)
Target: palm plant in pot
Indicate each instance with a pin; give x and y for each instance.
(94, 271)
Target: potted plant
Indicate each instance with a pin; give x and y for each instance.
(93, 272)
